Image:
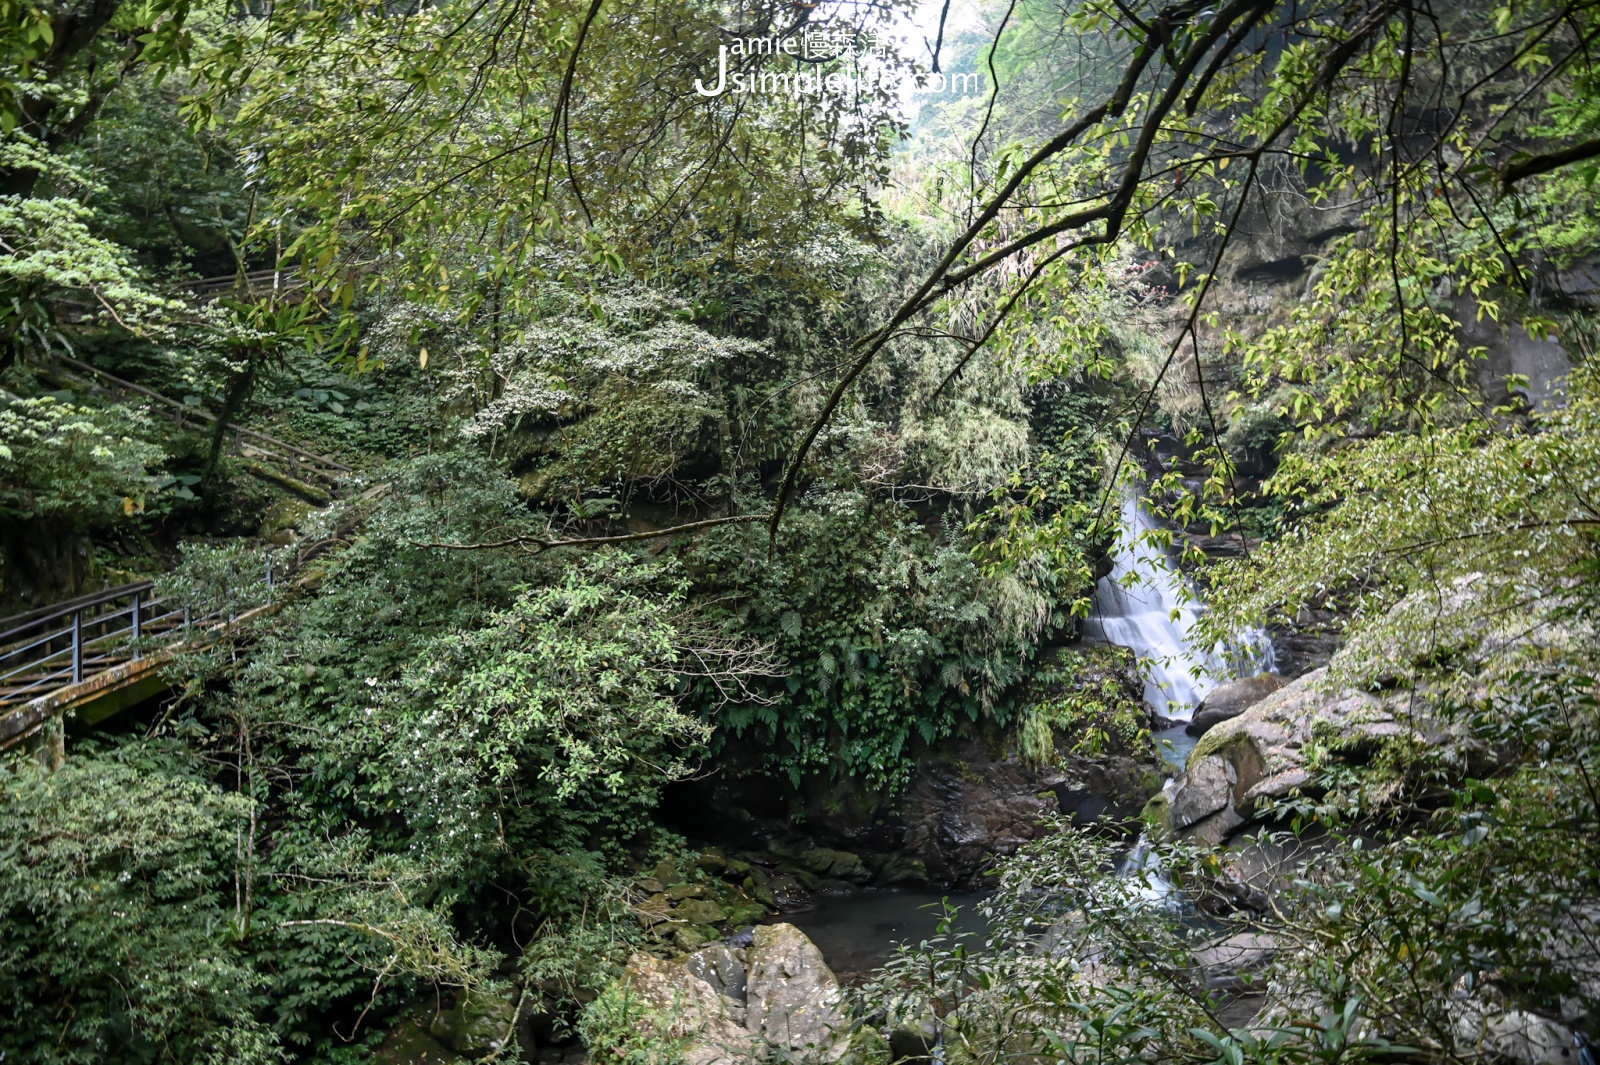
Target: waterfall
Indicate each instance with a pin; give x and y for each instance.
(1154, 888)
(1145, 604)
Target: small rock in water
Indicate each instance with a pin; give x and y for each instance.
(788, 895)
(1228, 964)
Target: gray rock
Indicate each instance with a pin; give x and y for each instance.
(1228, 964)
(787, 894)
(1277, 786)
(1259, 754)
(693, 1011)
(913, 1038)
(1205, 720)
(793, 1002)
(1214, 828)
(1516, 1036)
(718, 966)
(973, 797)
(1206, 788)
(475, 1026)
(1228, 701)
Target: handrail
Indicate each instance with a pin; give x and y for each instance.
(203, 414)
(20, 623)
(63, 654)
(284, 280)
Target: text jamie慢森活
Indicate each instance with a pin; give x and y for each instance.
(815, 47)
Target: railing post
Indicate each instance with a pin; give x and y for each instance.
(138, 622)
(77, 647)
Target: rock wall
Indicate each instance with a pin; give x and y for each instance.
(972, 797)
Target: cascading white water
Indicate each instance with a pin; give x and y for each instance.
(1145, 604)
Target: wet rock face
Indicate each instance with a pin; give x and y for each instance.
(1227, 701)
(972, 798)
(1231, 963)
(689, 1009)
(794, 1002)
(475, 1026)
(720, 968)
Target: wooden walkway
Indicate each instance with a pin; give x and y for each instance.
(290, 462)
(100, 653)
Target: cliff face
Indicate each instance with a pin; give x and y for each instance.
(974, 796)
(1273, 259)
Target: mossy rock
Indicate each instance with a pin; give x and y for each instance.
(654, 909)
(689, 938)
(1157, 816)
(746, 913)
(867, 1047)
(701, 912)
(475, 1026)
(901, 870)
(839, 865)
(410, 1044)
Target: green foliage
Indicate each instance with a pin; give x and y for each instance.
(623, 1029)
(436, 735)
(369, 138)
(117, 944)
(72, 463)
(173, 198)
(1474, 521)
(1085, 701)
(51, 252)
(892, 637)
(552, 716)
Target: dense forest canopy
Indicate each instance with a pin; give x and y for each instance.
(553, 466)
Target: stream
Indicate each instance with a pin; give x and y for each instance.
(858, 932)
(1144, 604)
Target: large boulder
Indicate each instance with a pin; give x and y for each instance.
(1232, 962)
(476, 1025)
(720, 968)
(1512, 1035)
(1228, 701)
(1260, 754)
(780, 1002)
(690, 1010)
(793, 1000)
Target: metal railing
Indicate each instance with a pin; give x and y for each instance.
(247, 443)
(63, 644)
(55, 656)
(82, 637)
(255, 282)
(67, 643)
